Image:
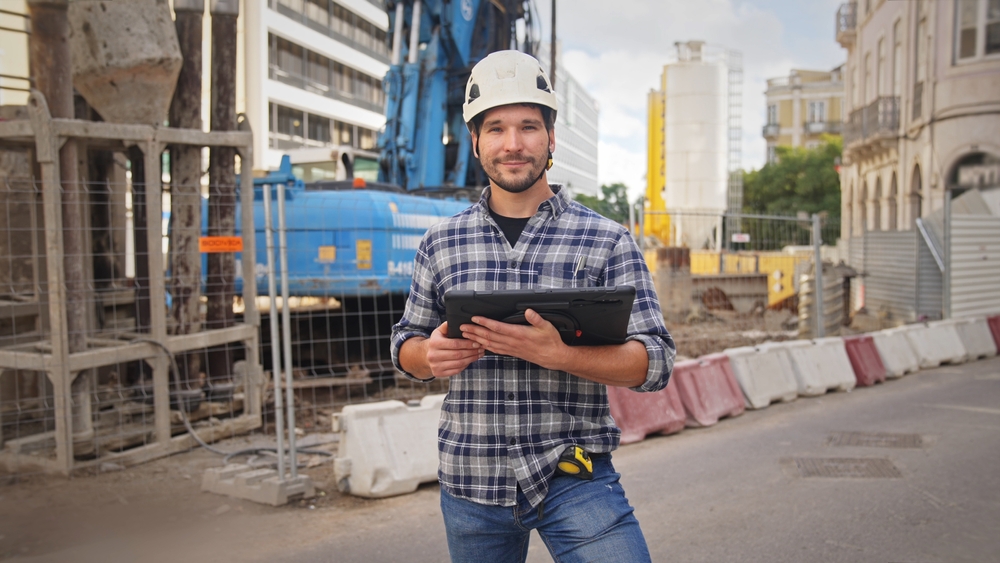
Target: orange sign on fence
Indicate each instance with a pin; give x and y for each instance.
(220, 244)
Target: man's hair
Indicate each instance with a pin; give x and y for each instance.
(548, 117)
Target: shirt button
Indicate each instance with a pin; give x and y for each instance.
(513, 264)
(510, 397)
(513, 441)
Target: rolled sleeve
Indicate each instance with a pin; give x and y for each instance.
(661, 356)
(422, 314)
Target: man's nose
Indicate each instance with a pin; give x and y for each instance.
(512, 141)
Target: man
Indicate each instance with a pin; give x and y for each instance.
(519, 397)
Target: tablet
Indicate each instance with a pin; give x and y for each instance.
(585, 316)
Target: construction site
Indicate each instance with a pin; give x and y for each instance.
(165, 289)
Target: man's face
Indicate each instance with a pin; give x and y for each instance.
(514, 146)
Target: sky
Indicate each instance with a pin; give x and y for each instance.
(617, 49)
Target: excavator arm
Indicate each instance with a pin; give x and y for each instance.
(434, 45)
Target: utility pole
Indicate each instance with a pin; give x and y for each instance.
(49, 57)
(222, 181)
(185, 185)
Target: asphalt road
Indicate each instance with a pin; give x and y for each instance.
(904, 472)
(919, 482)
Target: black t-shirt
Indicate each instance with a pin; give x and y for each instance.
(510, 226)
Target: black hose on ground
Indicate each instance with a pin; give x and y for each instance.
(175, 372)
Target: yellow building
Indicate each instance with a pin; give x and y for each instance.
(803, 106)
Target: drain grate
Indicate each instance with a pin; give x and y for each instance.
(859, 468)
(876, 440)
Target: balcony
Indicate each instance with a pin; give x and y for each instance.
(771, 130)
(820, 127)
(874, 127)
(847, 23)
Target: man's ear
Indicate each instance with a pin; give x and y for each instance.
(475, 146)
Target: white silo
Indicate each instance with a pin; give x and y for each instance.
(697, 122)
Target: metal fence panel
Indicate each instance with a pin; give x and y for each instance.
(890, 268)
(975, 265)
(930, 283)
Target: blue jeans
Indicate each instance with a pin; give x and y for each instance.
(580, 521)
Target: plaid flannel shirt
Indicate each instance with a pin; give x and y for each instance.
(505, 421)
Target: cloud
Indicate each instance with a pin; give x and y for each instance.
(618, 53)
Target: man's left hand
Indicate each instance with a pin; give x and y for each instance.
(538, 342)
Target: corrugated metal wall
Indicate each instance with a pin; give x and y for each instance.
(975, 265)
(930, 283)
(891, 268)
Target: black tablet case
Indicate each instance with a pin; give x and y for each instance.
(585, 316)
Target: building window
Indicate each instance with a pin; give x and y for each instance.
(318, 11)
(319, 128)
(772, 114)
(290, 57)
(320, 73)
(299, 127)
(290, 121)
(817, 112)
(880, 69)
(897, 58)
(772, 154)
(977, 28)
(869, 83)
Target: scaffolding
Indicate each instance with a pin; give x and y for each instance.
(46, 349)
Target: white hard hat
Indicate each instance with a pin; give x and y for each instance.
(507, 77)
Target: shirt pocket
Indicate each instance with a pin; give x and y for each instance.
(575, 272)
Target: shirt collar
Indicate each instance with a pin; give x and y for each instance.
(556, 204)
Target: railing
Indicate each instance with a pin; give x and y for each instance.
(817, 127)
(847, 21)
(771, 130)
(918, 100)
(880, 118)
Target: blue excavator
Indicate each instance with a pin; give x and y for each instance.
(351, 243)
(435, 44)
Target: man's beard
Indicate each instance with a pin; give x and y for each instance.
(515, 185)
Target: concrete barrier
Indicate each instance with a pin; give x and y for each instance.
(865, 359)
(896, 352)
(994, 323)
(641, 414)
(975, 336)
(708, 389)
(820, 365)
(765, 375)
(934, 345)
(387, 448)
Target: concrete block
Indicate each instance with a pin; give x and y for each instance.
(934, 345)
(708, 389)
(387, 448)
(257, 485)
(896, 352)
(975, 336)
(125, 58)
(638, 415)
(865, 359)
(820, 365)
(764, 374)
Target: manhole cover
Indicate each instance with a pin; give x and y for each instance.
(876, 440)
(863, 468)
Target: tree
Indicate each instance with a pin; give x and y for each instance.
(801, 180)
(612, 203)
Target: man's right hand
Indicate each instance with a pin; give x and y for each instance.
(438, 356)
